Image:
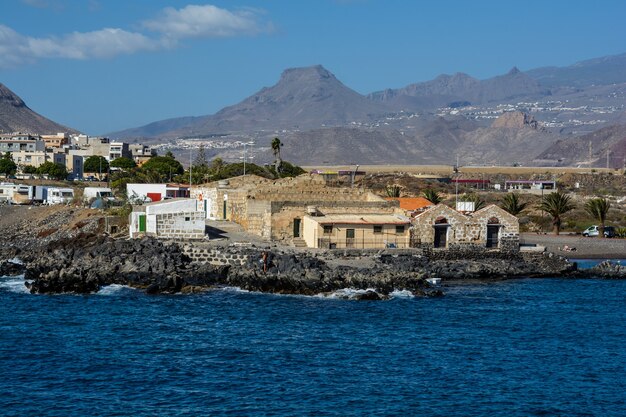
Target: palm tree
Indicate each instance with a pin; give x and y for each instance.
(393, 190)
(556, 205)
(598, 208)
(511, 203)
(432, 196)
(276, 145)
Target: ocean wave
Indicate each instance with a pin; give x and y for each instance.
(234, 289)
(402, 294)
(345, 293)
(16, 261)
(14, 284)
(113, 289)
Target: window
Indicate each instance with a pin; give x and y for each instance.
(399, 230)
(187, 219)
(378, 229)
(328, 229)
(349, 233)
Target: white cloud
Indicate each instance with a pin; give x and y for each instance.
(205, 22)
(172, 26)
(17, 49)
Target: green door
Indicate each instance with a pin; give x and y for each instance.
(142, 222)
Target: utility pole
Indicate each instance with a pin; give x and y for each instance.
(190, 165)
(245, 155)
(353, 176)
(456, 184)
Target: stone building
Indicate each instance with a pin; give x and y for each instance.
(274, 209)
(443, 227)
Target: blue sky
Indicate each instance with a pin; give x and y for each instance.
(105, 65)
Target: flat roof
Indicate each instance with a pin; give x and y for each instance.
(361, 219)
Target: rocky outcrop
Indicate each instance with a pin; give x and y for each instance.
(607, 269)
(85, 264)
(516, 120)
(11, 268)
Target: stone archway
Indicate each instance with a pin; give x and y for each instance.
(493, 232)
(441, 232)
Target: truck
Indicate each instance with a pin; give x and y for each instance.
(94, 193)
(53, 195)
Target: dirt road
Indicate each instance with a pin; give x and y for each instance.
(585, 247)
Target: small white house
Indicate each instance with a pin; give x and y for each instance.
(170, 219)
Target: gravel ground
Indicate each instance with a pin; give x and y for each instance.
(586, 247)
(28, 227)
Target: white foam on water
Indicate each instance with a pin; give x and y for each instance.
(14, 284)
(113, 289)
(234, 289)
(345, 293)
(402, 294)
(16, 261)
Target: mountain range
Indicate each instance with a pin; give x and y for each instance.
(519, 117)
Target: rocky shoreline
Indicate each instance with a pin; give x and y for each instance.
(88, 262)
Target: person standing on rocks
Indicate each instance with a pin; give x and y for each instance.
(264, 259)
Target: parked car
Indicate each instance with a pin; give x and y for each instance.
(592, 231)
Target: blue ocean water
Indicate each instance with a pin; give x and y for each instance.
(527, 347)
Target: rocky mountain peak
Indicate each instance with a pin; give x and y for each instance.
(16, 116)
(516, 120)
(306, 74)
(513, 71)
(9, 98)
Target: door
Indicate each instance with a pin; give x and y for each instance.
(492, 236)
(142, 222)
(296, 227)
(441, 236)
(224, 210)
(349, 238)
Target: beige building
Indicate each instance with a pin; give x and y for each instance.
(368, 231)
(55, 141)
(443, 227)
(275, 209)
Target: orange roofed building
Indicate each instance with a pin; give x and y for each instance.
(411, 205)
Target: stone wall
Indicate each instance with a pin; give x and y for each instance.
(176, 225)
(215, 255)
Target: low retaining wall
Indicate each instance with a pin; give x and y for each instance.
(215, 255)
